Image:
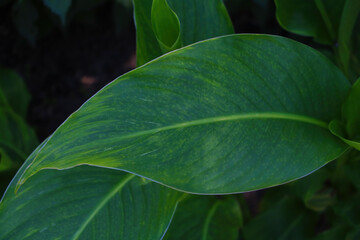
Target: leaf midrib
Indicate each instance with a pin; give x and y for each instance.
(118, 187)
(245, 116)
(203, 121)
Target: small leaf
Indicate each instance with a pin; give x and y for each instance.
(229, 114)
(59, 7)
(166, 26)
(206, 217)
(86, 203)
(199, 20)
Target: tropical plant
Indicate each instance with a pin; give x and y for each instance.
(207, 112)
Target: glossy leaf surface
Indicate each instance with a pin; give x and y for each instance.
(86, 203)
(199, 20)
(205, 218)
(229, 114)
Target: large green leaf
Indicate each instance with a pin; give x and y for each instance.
(315, 18)
(198, 19)
(230, 114)
(205, 218)
(86, 203)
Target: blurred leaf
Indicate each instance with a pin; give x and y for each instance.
(314, 18)
(16, 136)
(349, 16)
(335, 233)
(206, 217)
(199, 20)
(349, 209)
(184, 112)
(320, 201)
(59, 7)
(4, 2)
(5, 162)
(25, 17)
(14, 90)
(351, 112)
(286, 219)
(86, 203)
(354, 234)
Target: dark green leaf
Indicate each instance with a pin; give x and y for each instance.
(25, 18)
(14, 90)
(59, 7)
(314, 18)
(351, 112)
(348, 209)
(335, 233)
(86, 203)
(206, 217)
(230, 114)
(199, 20)
(285, 220)
(16, 136)
(349, 16)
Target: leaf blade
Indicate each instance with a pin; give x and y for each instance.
(171, 90)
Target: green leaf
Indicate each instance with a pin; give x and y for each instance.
(14, 90)
(229, 114)
(198, 19)
(205, 218)
(86, 203)
(349, 15)
(314, 18)
(59, 7)
(286, 219)
(166, 26)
